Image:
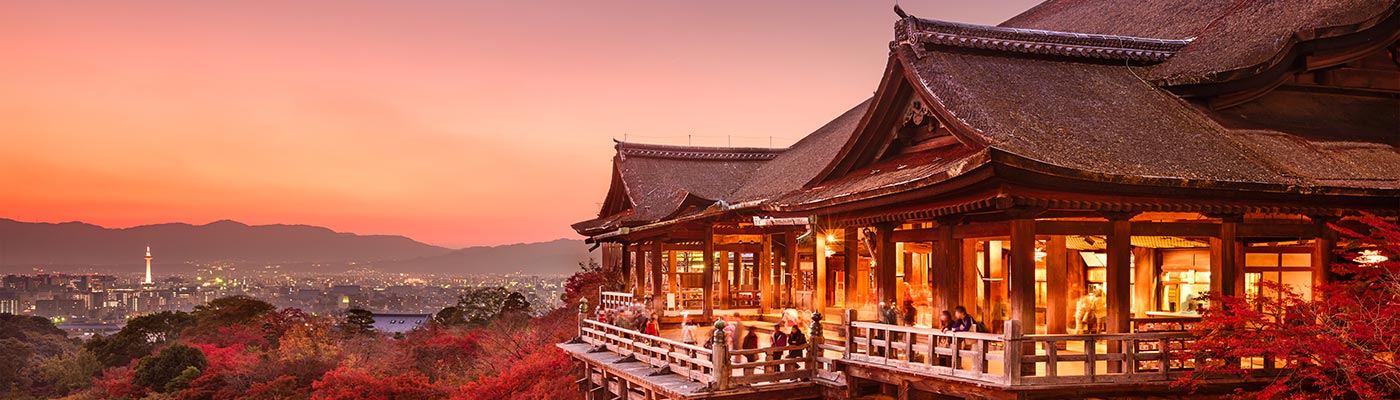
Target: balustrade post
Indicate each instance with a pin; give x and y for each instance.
(582, 319)
(814, 343)
(719, 356)
(850, 333)
(1012, 351)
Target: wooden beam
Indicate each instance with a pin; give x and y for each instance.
(982, 229)
(1057, 310)
(915, 235)
(1071, 228)
(708, 278)
(765, 275)
(1176, 229)
(1280, 230)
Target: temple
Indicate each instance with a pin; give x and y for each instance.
(1076, 178)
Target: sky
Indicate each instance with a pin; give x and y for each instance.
(456, 123)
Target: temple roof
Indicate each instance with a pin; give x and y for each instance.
(652, 182)
(1230, 39)
(800, 162)
(1063, 109)
(1081, 91)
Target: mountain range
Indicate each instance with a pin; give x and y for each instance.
(58, 245)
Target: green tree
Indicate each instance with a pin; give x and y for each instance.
(450, 316)
(230, 311)
(357, 322)
(156, 371)
(479, 306)
(70, 371)
(139, 337)
(182, 381)
(18, 358)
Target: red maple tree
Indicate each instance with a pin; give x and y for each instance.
(1342, 343)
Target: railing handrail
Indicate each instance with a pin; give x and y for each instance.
(1106, 336)
(657, 339)
(726, 368)
(927, 331)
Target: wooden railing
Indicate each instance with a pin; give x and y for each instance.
(614, 300)
(690, 361)
(1017, 360)
(1077, 359)
(968, 356)
(717, 367)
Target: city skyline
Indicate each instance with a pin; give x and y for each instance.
(382, 120)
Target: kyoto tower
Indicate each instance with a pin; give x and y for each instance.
(148, 266)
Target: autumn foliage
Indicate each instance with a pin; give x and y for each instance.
(1342, 343)
(243, 348)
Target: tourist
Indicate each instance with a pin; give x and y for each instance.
(962, 322)
(750, 342)
(796, 338)
(651, 327)
(945, 320)
(910, 313)
(1088, 312)
(779, 339)
(687, 330)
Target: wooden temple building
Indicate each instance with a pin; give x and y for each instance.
(1086, 156)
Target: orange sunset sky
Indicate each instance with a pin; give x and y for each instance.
(455, 123)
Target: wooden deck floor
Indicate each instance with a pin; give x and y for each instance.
(644, 385)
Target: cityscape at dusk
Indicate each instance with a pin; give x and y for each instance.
(665, 200)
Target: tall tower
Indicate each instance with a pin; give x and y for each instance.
(148, 266)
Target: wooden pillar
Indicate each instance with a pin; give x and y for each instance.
(723, 269)
(1227, 259)
(1020, 273)
(1117, 282)
(626, 267)
(658, 299)
(819, 269)
(971, 278)
(708, 276)
(1057, 298)
(639, 268)
(765, 274)
(948, 269)
(793, 268)
(1323, 254)
(1119, 300)
(887, 259)
(1145, 280)
(675, 281)
(1077, 279)
(850, 241)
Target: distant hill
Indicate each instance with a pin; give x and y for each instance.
(77, 243)
(559, 257)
